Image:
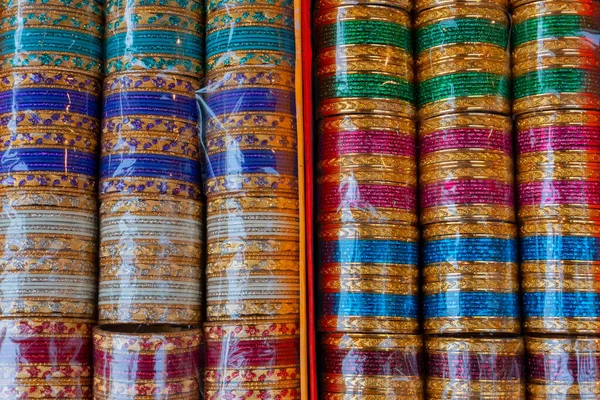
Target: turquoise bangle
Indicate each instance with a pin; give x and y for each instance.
(154, 42)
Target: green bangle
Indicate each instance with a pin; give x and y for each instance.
(366, 86)
(365, 32)
(463, 84)
(463, 30)
(555, 26)
(560, 80)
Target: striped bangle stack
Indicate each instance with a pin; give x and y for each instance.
(558, 164)
(50, 89)
(368, 238)
(466, 182)
(150, 230)
(150, 202)
(470, 276)
(556, 64)
(250, 138)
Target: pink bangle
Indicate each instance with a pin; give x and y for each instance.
(466, 138)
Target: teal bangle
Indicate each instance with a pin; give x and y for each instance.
(364, 32)
(154, 42)
(366, 86)
(560, 80)
(464, 84)
(463, 30)
(555, 26)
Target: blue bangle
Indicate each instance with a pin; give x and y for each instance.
(231, 101)
(561, 304)
(127, 103)
(150, 165)
(576, 248)
(470, 249)
(33, 99)
(370, 305)
(471, 304)
(52, 160)
(369, 251)
(252, 161)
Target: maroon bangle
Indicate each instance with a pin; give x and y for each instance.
(493, 367)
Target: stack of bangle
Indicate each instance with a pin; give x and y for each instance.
(364, 59)
(556, 55)
(49, 109)
(50, 91)
(158, 363)
(253, 360)
(253, 229)
(367, 200)
(559, 195)
(475, 368)
(46, 358)
(467, 208)
(563, 367)
(371, 365)
(150, 248)
(462, 58)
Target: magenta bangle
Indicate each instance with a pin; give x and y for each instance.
(559, 138)
(464, 139)
(336, 197)
(472, 191)
(335, 144)
(541, 193)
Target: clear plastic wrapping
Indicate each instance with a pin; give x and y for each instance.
(477, 367)
(462, 59)
(556, 55)
(371, 366)
(159, 362)
(558, 207)
(250, 147)
(563, 368)
(151, 210)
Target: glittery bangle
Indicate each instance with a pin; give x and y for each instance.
(324, 4)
